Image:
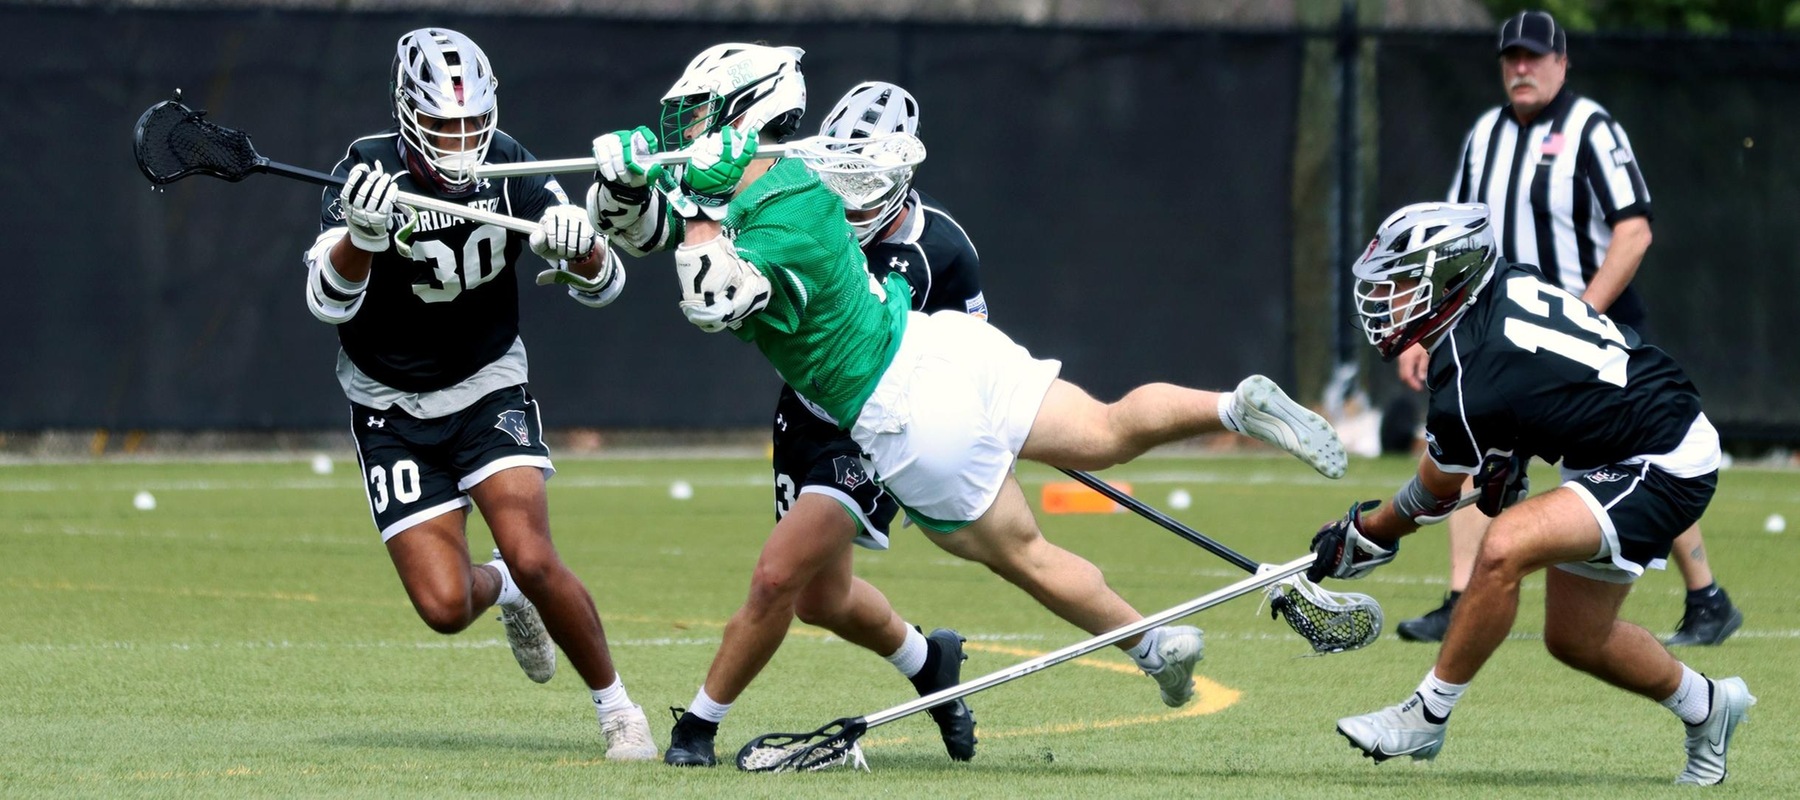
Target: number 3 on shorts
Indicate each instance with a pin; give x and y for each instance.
(406, 484)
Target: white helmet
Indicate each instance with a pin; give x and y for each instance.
(1427, 265)
(874, 108)
(752, 87)
(443, 80)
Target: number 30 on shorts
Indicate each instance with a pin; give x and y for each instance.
(405, 484)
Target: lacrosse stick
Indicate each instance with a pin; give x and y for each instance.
(880, 152)
(172, 141)
(836, 742)
(1331, 622)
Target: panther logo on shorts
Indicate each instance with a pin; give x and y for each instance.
(512, 423)
(850, 472)
(1605, 475)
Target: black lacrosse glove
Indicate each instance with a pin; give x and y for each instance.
(1501, 481)
(1344, 552)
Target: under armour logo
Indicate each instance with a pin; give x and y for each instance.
(898, 263)
(377, 422)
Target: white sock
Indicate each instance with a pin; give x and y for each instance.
(1440, 697)
(1145, 654)
(612, 698)
(1228, 412)
(510, 596)
(707, 708)
(1692, 700)
(910, 658)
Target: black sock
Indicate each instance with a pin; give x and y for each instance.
(1711, 594)
(933, 657)
(694, 722)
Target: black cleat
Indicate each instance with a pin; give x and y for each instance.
(1707, 623)
(691, 742)
(943, 669)
(1431, 626)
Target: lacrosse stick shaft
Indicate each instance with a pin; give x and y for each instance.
(1239, 589)
(563, 166)
(1144, 510)
(418, 201)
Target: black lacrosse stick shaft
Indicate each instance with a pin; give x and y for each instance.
(1143, 510)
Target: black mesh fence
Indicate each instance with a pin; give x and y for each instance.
(1127, 191)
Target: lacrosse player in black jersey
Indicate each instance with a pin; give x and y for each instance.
(1521, 368)
(825, 499)
(427, 313)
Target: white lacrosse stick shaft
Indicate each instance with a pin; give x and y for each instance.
(424, 203)
(800, 148)
(1020, 670)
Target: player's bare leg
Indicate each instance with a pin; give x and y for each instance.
(811, 545)
(432, 559)
(514, 503)
(1551, 528)
(1074, 430)
(1582, 629)
(1006, 539)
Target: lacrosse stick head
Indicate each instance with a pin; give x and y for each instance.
(830, 746)
(866, 173)
(870, 109)
(172, 141)
(1331, 622)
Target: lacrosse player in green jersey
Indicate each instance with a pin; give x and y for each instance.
(940, 404)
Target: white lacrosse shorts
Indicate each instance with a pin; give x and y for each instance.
(948, 418)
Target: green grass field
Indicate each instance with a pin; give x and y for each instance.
(248, 638)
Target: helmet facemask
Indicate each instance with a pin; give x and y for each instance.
(1427, 265)
(445, 102)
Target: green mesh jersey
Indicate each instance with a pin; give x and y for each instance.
(829, 328)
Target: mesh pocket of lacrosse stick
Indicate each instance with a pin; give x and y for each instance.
(830, 746)
(172, 141)
(1332, 622)
(862, 171)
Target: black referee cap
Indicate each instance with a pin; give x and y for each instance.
(1536, 31)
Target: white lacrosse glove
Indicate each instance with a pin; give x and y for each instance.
(621, 157)
(368, 202)
(719, 289)
(1344, 552)
(563, 235)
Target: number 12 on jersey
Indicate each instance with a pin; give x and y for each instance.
(1602, 347)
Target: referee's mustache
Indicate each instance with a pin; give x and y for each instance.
(1523, 80)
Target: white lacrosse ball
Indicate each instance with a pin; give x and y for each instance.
(144, 501)
(1776, 523)
(681, 490)
(1180, 499)
(321, 464)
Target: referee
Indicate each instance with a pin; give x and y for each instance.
(1566, 194)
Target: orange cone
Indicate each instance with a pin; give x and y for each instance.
(1069, 497)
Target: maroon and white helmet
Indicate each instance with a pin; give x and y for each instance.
(445, 101)
(1427, 265)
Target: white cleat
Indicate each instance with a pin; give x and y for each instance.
(1181, 647)
(1707, 742)
(627, 735)
(1266, 413)
(531, 644)
(1395, 731)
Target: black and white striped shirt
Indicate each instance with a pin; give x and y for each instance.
(1556, 189)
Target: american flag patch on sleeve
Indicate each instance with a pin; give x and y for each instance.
(977, 305)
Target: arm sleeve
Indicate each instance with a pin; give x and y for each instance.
(1612, 172)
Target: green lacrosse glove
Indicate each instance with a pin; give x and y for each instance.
(715, 166)
(620, 157)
